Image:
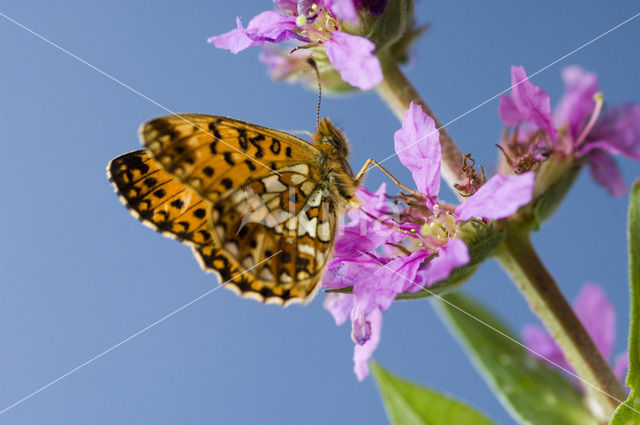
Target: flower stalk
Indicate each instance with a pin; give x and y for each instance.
(398, 93)
(518, 257)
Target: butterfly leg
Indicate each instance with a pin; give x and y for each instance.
(358, 180)
(365, 168)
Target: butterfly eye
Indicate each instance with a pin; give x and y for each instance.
(332, 141)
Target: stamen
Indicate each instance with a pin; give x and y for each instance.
(411, 232)
(599, 99)
(301, 20)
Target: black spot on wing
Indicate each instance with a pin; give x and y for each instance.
(227, 183)
(275, 146)
(229, 158)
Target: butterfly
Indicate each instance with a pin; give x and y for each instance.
(258, 206)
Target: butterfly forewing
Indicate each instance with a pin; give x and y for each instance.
(160, 201)
(213, 154)
(247, 198)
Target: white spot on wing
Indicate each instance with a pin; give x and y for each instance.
(315, 199)
(296, 179)
(307, 249)
(232, 248)
(273, 184)
(265, 274)
(285, 278)
(307, 226)
(296, 168)
(324, 231)
(307, 187)
(248, 262)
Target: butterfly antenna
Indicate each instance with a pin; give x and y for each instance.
(313, 64)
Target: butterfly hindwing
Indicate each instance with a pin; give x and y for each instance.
(279, 229)
(159, 200)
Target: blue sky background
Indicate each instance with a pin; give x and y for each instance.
(78, 274)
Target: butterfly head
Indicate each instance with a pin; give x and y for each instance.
(330, 139)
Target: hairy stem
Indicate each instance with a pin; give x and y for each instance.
(397, 92)
(521, 261)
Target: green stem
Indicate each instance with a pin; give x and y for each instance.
(521, 261)
(398, 92)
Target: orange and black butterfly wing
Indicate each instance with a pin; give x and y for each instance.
(165, 204)
(280, 229)
(213, 154)
(272, 226)
(159, 200)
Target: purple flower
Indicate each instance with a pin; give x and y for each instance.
(598, 317)
(418, 147)
(316, 24)
(376, 279)
(528, 103)
(577, 113)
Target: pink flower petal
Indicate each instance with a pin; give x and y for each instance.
(339, 305)
(533, 102)
(577, 103)
(620, 129)
(364, 234)
(234, 40)
(528, 103)
(509, 112)
(352, 56)
(362, 353)
(606, 173)
(345, 10)
(598, 317)
(288, 6)
(417, 144)
(403, 270)
(453, 255)
(499, 197)
(271, 26)
(538, 340)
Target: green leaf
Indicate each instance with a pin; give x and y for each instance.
(628, 412)
(531, 392)
(410, 404)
